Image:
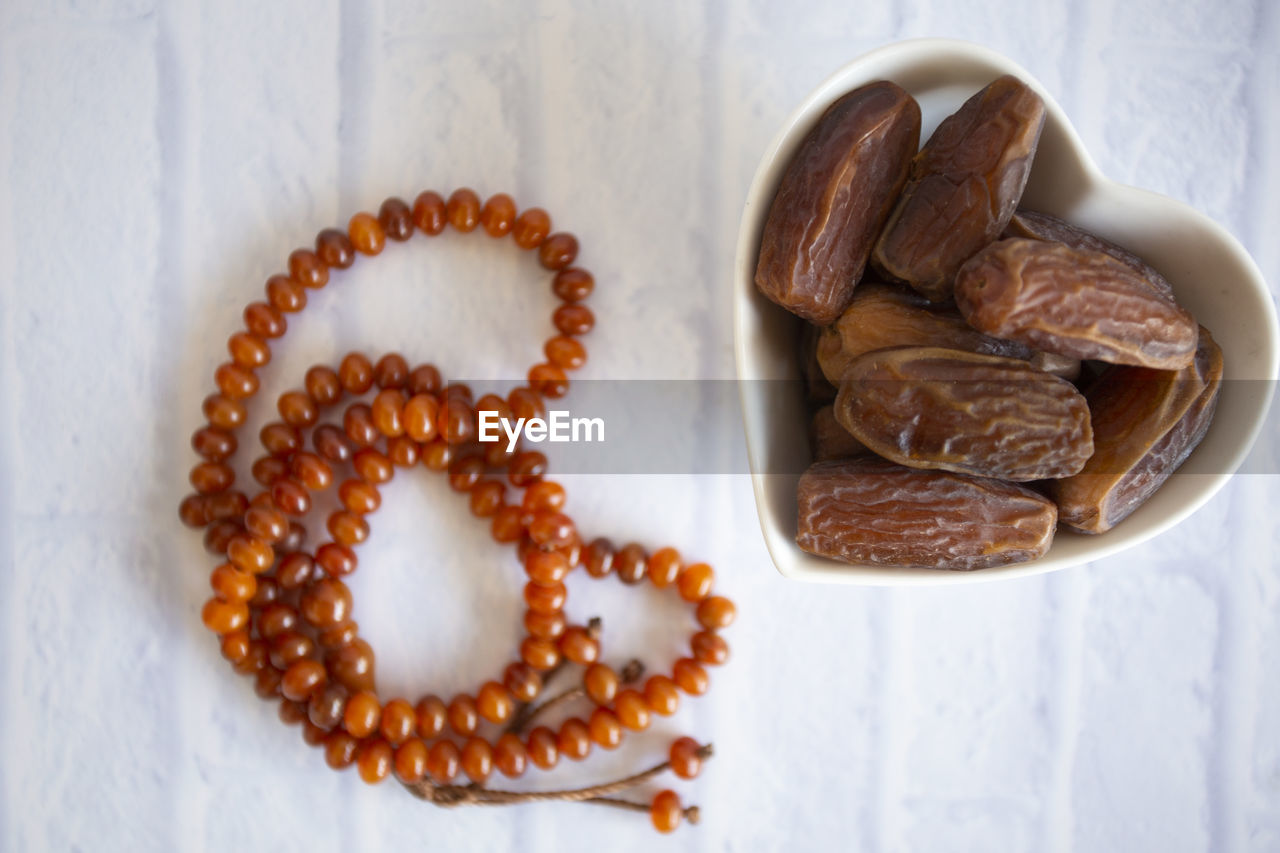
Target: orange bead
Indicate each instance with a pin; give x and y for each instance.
(437, 455)
(214, 445)
(312, 471)
(411, 761)
(558, 251)
(307, 269)
(362, 714)
(356, 373)
(465, 472)
(340, 749)
(486, 497)
(236, 646)
(374, 761)
(429, 213)
(464, 716)
(419, 417)
(353, 666)
(396, 219)
(359, 497)
(423, 379)
(662, 695)
(597, 558)
(266, 523)
(498, 215)
(250, 553)
(295, 570)
(477, 759)
(685, 757)
(577, 645)
(326, 603)
(549, 381)
(290, 647)
(286, 295)
(331, 443)
(664, 567)
(463, 209)
(527, 403)
(709, 647)
(574, 739)
(631, 709)
(539, 654)
(695, 582)
(211, 477)
(326, 707)
(574, 319)
(510, 756)
(552, 529)
(690, 676)
(366, 234)
(323, 385)
(716, 612)
(506, 525)
(531, 228)
(335, 249)
(223, 412)
(601, 683)
(223, 617)
(388, 412)
(373, 466)
(545, 626)
(494, 702)
(302, 678)
(248, 351)
(605, 728)
(565, 352)
(545, 598)
(546, 567)
(398, 721)
(543, 747)
(573, 284)
(297, 408)
(233, 584)
(522, 681)
(545, 495)
(347, 528)
(431, 716)
(443, 761)
(631, 563)
(264, 321)
(337, 560)
(666, 811)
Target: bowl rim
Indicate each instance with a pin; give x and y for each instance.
(787, 557)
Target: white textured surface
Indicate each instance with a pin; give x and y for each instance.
(158, 161)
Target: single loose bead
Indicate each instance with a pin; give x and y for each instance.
(213, 444)
(546, 567)
(463, 209)
(664, 567)
(631, 709)
(327, 706)
(605, 728)
(210, 477)
(248, 351)
(397, 721)
(275, 619)
(337, 560)
(601, 683)
(297, 408)
(356, 373)
(558, 251)
(538, 653)
(429, 212)
(233, 584)
(573, 319)
(301, 679)
(331, 443)
(631, 563)
(477, 759)
(531, 228)
(362, 714)
(326, 603)
(565, 352)
(291, 496)
(335, 248)
(549, 381)
(709, 647)
(374, 761)
(522, 681)
(307, 269)
(690, 676)
(223, 412)
(510, 755)
(352, 665)
(486, 497)
(264, 321)
(545, 626)
(685, 758)
(543, 748)
(396, 219)
(223, 617)
(411, 761)
(464, 717)
(597, 558)
(286, 295)
(494, 702)
(716, 612)
(573, 284)
(391, 371)
(442, 761)
(577, 645)
(387, 410)
(312, 471)
(289, 648)
(340, 750)
(366, 234)
(574, 739)
(430, 715)
(695, 582)
(666, 811)
(250, 553)
(323, 385)
(498, 215)
(662, 695)
(347, 528)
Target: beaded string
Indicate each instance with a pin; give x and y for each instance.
(283, 614)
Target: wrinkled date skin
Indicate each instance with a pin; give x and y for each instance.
(965, 185)
(886, 315)
(829, 440)
(834, 198)
(928, 407)
(1074, 302)
(1043, 226)
(1146, 423)
(872, 511)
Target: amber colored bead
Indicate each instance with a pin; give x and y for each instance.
(219, 533)
(429, 212)
(411, 761)
(387, 410)
(437, 455)
(280, 438)
(666, 811)
(326, 707)
(331, 443)
(373, 466)
(248, 351)
(546, 567)
(598, 557)
(339, 635)
(558, 251)
(323, 385)
(543, 748)
(573, 319)
(662, 695)
(690, 676)
(223, 412)
(574, 739)
(235, 646)
(510, 756)
(301, 679)
(601, 683)
(549, 381)
(709, 647)
(494, 702)
(312, 471)
(527, 468)
(306, 268)
(358, 425)
(227, 504)
(362, 714)
(356, 373)
(464, 717)
(233, 584)
(213, 444)
(264, 321)
(606, 730)
(340, 749)
(463, 209)
(396, 219)
(577, 645)
(359, 497)
(545, 626)
(313, 734)
(276, 619)
(397, 722)
(419, 416)
(254, 660)
(268, 470)
(194, 511)
(526, 403)
(223, 617)
(531, 228)
(294, 570)
(266, 523)
(347, 528)
(695, 582)
(210, 477)
(498, 215)
(632, 709)
(326, 603)
(366, 234)
(391, 371)
(250, 553)
(352, 665)
(297, 408)
(551, 529)
(443, 761)
(456, 422)
(631, 563)
(424, 379)
(716, 612)
(291, 496)
(268, 592)
(290, 647)
(374, 760)
(664, 567)
(266, 682)
(545, 598)
(337, 560)
(465, 472)
(292, 712)
(565, 353)
(506, 525)
(539, 653)
(430, 716)
(286, 295)
(335, 249)
(486, 497)
(523, 683)
(573, 284)
(403, 451)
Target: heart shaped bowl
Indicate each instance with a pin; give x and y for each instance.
(1210, 271)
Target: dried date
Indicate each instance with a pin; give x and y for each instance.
(829, 440)
(833, 199)
(965, 185)
(817, 389)
(929, 407)
(1075, 302)
(872, 511)
(1146, 423)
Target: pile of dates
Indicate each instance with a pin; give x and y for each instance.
(982, 373)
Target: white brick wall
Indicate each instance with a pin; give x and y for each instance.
(159, 160)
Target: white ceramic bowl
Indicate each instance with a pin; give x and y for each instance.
(1211, 274)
